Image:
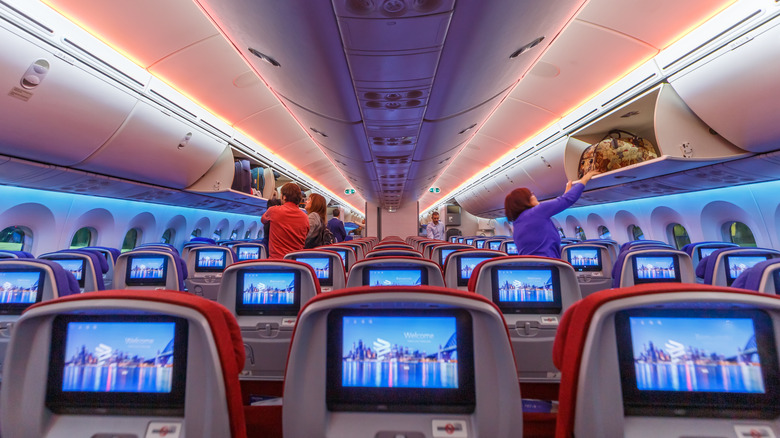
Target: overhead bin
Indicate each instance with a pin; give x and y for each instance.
(157, 148)
(735, 89)
(79, 109)
(660, 116)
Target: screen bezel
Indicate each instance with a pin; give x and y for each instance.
(199, 268)
(703, 403)
(323, 281)
(459, 265)
(553, 307)
(635, 272)
(77, 259)
(146, 281)
(267, 309)
(586, 268)
(116, 403)
(344, 254)
(727, 263)
(18, 308)
(437, 400)
(240, 247)
(423, 273)
(712, 247)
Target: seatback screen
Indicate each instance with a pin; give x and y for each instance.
(394, 276)
(737, 264)
(146, 270)
(656, 269)
(210, 260)
(407, 361)
(585, 259)
(248, 253)
(702, 360)
(19, 289)
(443, 253)
(527, 289)
(268, 292)
(117, 362)
(511, 248)
(466, 266)
(495, 246)
(322, 268)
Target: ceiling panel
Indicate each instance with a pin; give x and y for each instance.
(273, 127)
(515, 121)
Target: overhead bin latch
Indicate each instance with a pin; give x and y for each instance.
(35, 74)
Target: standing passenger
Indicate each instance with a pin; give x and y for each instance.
(315, 206)
(337, 227)
(267, 226)
(289, 225)
(435, 229)
(534, 232)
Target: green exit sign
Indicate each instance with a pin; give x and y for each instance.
(434, 190)
(349, 191)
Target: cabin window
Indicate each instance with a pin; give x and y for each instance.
(83, 237)
(561, 233)
(635, 233)
(739, 233)
(234, 234)
(168, 236)
(217, 235)
(248, 234)
(604, 232)
(131, 238)
(579, 232)
(679, 235)
(195, 233)
(14, 239)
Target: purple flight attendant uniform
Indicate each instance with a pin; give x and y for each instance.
(535, 234)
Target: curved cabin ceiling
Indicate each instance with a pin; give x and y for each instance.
(387, 96)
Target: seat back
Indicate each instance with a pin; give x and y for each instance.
(398, 271)
(452, 366)
(612, 246)
(7, 254)
(636, 243)
(328, 267)
(669, 360)
(700, 250)
(149, 269)
(346, 253)
(393, 245)
(249, 251)
(265, 296)
(176, 359)
(649, 264)
(205, 265)
(461, 263)
(439, 253)
(110, 254)
(392, 252)
(724, 265)
(86, 265)
(593, 264)
(532, 293)
(357, 248)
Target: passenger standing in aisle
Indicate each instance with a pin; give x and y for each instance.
(267, 225)
(337, 227)
(435, 229)
(315, 206)
(534, 232)
(289, 225)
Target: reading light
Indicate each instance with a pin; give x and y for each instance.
(526, 47)
(265, 57)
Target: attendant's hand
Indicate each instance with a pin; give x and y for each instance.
(585, 178)
(568, 186)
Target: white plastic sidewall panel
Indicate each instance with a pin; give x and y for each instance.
(156, 148)
(79, 109)
(737, 91)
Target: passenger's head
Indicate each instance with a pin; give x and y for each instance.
(336, 212)
(518, 201)
(291, 193)
(273, 202)
(316, 204)
(435, 217)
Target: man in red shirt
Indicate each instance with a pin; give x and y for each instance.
(289, 225)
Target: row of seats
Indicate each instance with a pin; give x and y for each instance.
(395, 362)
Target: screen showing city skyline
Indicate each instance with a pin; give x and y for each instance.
(210, 260)
(690, 354)
(737, 264)
(585, 258)
(399, 352)
(268, 288)
(466, 266)
(444, 253)
(74, 266)
(343, 254)
(321, 266)
(19, 287)
(655, 268)
(705, 252)
(523, 285)
(119, 357)
(142, 268)
(494, 245)
(248, 253)
(395, 277)
(511, 249)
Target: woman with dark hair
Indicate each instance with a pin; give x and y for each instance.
(315, 206)
(534, 232)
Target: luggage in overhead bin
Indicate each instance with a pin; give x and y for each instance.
(242, 179)
(618, 149)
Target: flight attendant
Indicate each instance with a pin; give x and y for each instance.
(534, 231)
(435, 229)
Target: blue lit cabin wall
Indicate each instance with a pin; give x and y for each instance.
(703, 214)
(54, 217)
